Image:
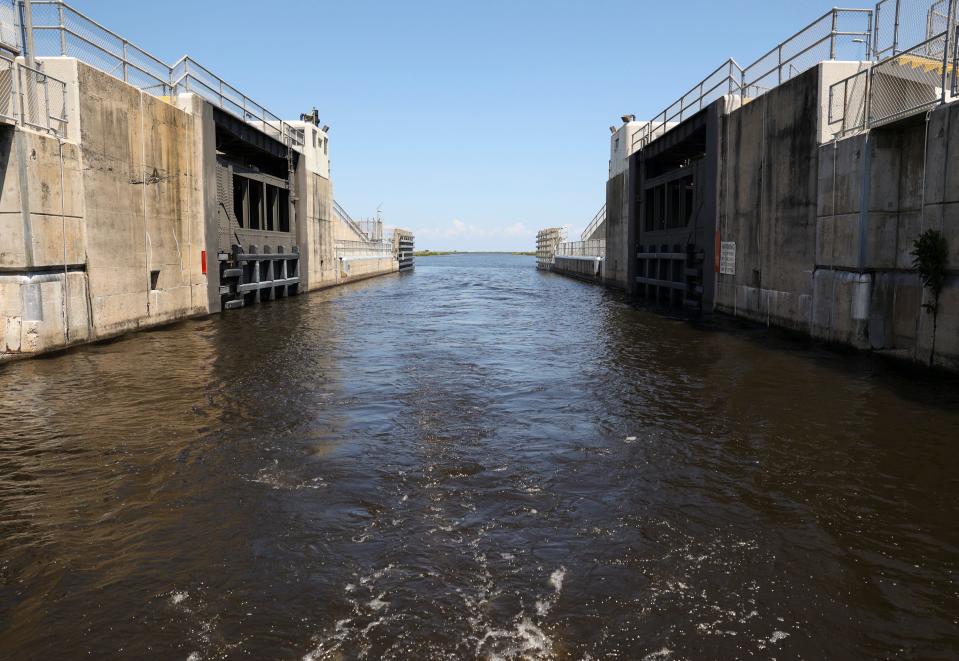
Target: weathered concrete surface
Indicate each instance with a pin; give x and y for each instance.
(617, 265)
(315, 209)
(823, 232)
(768, 204)
(872, 207)
(144, 219)
(56, 213)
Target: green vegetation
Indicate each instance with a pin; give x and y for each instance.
(434, 253)
(930, 254)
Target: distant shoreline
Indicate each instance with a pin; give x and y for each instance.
(441, 253)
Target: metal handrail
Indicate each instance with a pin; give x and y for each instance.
(122, 56)
(830, 36)
(739, 81)
(179, 76)
(842, 117)
(590, 248)
(346, 218)
(955, 62)
(37, 89)
(876, 96)
(351, 248)
(660, 123)
(883, 51)
(596, 222)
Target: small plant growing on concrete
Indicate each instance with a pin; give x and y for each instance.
(930, 253)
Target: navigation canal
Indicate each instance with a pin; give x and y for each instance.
(475, 460)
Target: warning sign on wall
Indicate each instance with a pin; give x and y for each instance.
(727, 258)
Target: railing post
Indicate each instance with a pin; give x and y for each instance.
(832, 35)
(63, 30)
(16, 102)
(876, 33)
(955, 62)
(950, 34)
(46, 98)
(125, 75)
(780, 68)
(895, 31)
(26, 24)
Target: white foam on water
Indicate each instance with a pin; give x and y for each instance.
(277, 479)
(544, 606)
(377, 602)
(376, 575)
(179, 597)
(331, 643)
(525, 641)
(777, 636)
(194, 656)
(664, 653)
(556, 579)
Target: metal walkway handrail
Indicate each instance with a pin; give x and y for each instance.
(106, 50)
(36, 99)
(781, 66)
(598, 220)
(691, 102)
(783, 61)
(904, 78)
(346, 218)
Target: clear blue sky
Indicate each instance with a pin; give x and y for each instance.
(472, 123)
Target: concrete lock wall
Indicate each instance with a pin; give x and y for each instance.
(768, 204)
(794, 228)
(823, 232)
(617, 265)
(144, 217)
(877, 193)
(129, 238)
(104, 231)
(315, 208)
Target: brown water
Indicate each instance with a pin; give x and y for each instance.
(476, 460)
